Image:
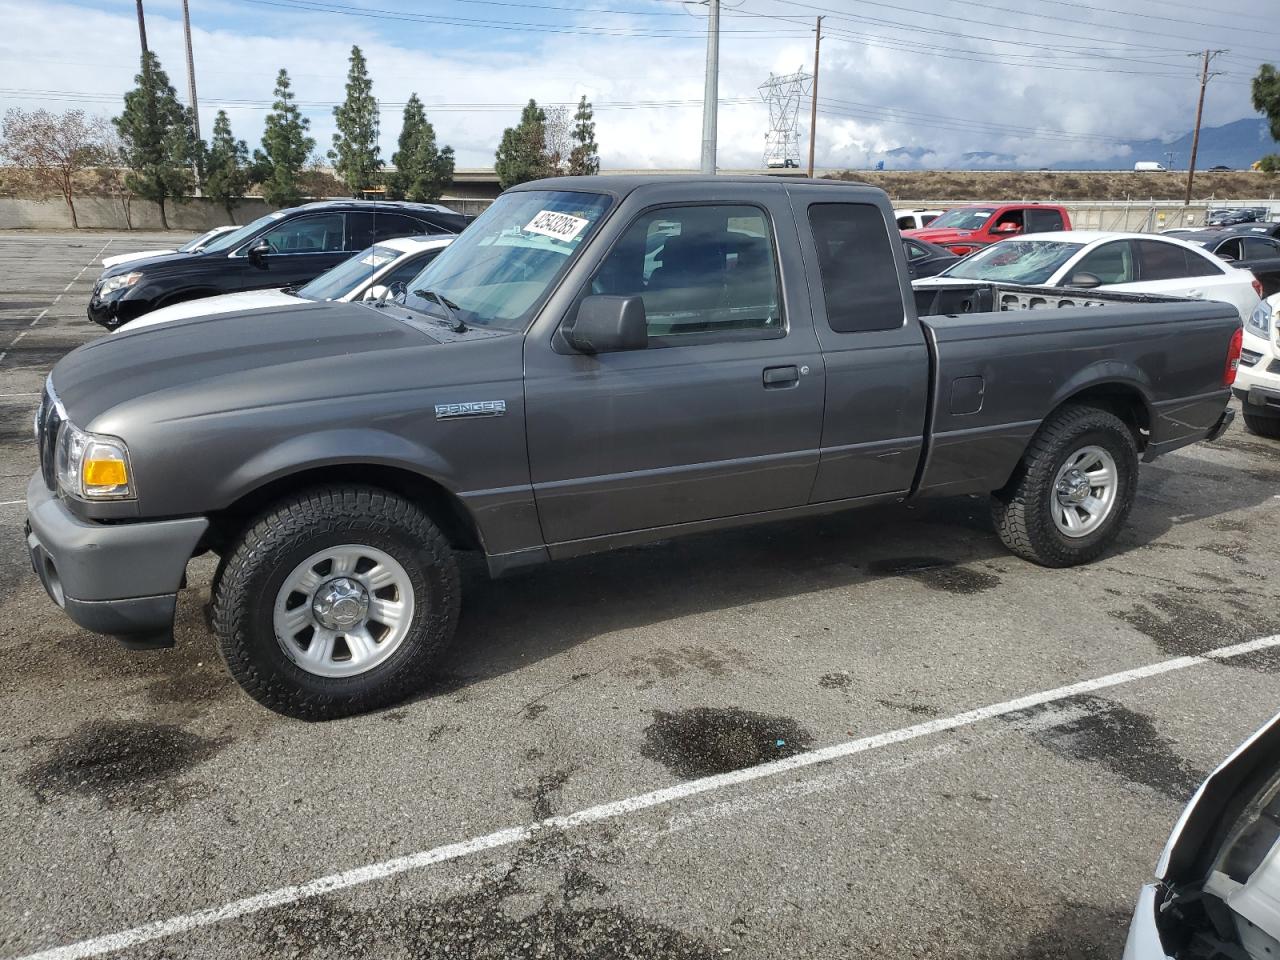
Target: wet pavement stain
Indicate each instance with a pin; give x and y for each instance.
(1229, 525)
(1123, 741)
(1232, 551)
(1183, 624)
(936, 573)
(1266, 660)
(704, 741)
(835, 681)
(120, 763)
(540, 907)
(533, 711)
(544, 792)
(919, 709)
(664, 664)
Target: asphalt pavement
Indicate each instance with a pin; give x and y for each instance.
(872, 735)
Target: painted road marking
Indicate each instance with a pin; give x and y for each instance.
(283, 896)
(40, 316)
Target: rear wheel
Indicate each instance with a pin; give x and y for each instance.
(1262, 426)
(336, 601)
(1072, 491)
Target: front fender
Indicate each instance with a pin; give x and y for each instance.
(325, 448)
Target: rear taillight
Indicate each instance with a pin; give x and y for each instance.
(1233, 357)
(1257, 286)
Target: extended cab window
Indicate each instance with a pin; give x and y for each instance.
(1043, 221)
(321, 233)
(704, 272)
(859, 275)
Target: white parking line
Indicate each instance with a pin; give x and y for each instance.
(10, 503)
(42, 313)
(282, 896)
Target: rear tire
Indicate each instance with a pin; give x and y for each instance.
(287, 603)
(1262, 426)
(1072, 491)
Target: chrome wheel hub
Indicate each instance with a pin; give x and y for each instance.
(1085, 491)
(343, 610)
(340, 603)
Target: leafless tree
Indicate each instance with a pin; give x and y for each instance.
(53, 148)
(557, 139)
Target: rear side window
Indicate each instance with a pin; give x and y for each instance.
(1043, 221)
(907, 223)
(1163, 261)
(859, 275)
(386, 226)
(1260, 248)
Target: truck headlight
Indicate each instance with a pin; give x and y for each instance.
(1259, 321)
(91, 466)
(112, 284)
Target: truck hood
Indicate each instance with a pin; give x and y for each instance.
(208, 306)
(249, 358)
(940, 235)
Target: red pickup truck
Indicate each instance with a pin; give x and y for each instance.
(964, 229)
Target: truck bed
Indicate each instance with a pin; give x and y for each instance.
(988, 400)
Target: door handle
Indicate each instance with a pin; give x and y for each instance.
(1195, 294)
(778, 377)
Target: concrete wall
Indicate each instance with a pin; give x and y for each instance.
(194, 215)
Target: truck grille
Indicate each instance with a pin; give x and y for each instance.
(48, 422)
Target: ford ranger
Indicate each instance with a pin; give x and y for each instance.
(595, 362)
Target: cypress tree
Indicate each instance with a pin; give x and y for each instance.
(285, 148)
(157, 141)
(422, 170)
(584, 158)
(355, 145)
(227, 165)
(522, 154)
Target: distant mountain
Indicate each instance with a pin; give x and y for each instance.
(1236, 145)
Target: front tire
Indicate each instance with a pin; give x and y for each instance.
(1262, 426)
(336, 601)
(1072, 491)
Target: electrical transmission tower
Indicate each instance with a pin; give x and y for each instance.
(784, 94)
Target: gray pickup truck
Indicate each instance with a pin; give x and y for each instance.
(594, 363)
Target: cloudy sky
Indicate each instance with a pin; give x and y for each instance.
(1040, 80)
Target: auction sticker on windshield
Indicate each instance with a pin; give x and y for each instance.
(557, 226)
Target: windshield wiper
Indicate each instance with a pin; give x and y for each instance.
(451, 308)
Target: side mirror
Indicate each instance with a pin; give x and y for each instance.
(258, 253)
(376, 292)
(606, 324)
(1085, 281)
(1007, 228)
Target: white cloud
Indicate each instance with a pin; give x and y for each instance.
(936, 100)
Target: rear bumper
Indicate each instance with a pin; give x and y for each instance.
(120, 579)
(1220, 426)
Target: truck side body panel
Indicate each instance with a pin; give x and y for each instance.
(990, 400)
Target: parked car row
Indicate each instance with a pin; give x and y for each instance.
(285, 248)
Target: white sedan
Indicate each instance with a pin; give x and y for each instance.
(364, 277)
(1123, 262)
(194, 245)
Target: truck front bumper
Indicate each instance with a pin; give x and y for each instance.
(120, 579)
(1260, 401)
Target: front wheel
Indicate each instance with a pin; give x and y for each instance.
(336, 601)
(1072, 491)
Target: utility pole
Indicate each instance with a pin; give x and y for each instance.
(711, 94)
(1208, 56)
(191, 92)
(813, 106)
(142, 27)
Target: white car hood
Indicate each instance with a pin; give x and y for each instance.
(126, 257)
(226, 303)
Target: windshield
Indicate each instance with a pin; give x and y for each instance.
(501, 268)
(349, 274)
(229, 241)
(966, 218)
(1017, 261)
(195, 242)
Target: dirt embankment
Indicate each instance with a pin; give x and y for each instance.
(1065, 185)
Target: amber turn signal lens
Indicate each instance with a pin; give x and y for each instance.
(105, 473)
